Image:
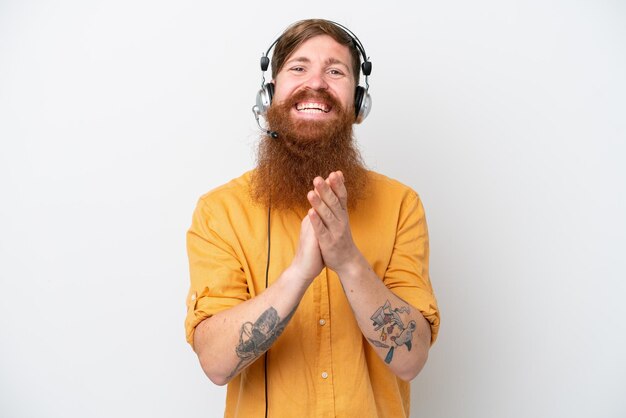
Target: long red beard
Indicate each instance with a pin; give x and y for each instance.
(304, 149)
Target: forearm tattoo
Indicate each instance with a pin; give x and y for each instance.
(256, 338)
(393, 332)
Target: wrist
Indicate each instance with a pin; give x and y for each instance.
(355, 266)
(297, 278)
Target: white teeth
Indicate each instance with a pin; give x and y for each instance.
(312, 107)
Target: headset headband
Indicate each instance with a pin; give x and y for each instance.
(366, 66)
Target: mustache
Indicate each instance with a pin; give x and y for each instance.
(308, 94)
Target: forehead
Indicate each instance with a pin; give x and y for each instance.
(323, 48)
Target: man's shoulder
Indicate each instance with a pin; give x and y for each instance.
(235, 192)
(383, 186)
(234, 187)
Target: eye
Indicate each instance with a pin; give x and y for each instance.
(335, 72)
(297, 69)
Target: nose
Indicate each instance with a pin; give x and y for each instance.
(317, 81)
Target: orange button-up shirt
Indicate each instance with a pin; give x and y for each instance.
(321, 366)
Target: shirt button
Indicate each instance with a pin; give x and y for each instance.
(322, 322)
(324, 375)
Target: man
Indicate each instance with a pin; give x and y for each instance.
(310, 293)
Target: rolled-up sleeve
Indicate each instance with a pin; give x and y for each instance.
(217, 278)
(407, 274)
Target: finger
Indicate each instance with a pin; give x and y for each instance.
(328, 196)
(307, 232)
(322, 210)
(337, 184)
(319, 228)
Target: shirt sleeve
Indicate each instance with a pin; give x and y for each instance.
(217, 278)
(407, 273)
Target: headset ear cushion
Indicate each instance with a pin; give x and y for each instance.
(359, 93)
(362, 104)
(264, 99)
(270, 91)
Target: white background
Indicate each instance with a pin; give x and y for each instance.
(508, 117)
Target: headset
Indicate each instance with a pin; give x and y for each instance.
(362, 99)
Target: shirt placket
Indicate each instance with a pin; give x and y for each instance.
(325, 378)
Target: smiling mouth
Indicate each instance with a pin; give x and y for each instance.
(312, 107)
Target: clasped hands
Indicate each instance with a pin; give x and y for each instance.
(325, 236)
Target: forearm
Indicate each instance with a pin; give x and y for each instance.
(406, 348)
(230, 340)
(403, 344)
